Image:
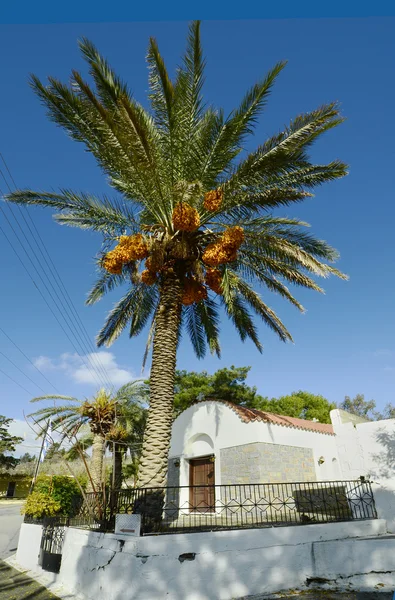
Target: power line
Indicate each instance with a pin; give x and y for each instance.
(53, 270)
(35, 284)
(23, 373)
(99, 371)
(30, 361)
(44, 284)
(16, 382)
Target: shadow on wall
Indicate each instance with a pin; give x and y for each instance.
(230, 565)
(175, 569)
(385, 460)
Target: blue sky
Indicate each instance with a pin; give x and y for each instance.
(344, 344)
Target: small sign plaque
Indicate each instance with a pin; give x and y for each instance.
(128, 524)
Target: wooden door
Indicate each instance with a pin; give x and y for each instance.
(201, 474)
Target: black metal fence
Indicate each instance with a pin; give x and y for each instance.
(202, 508)
(50, 556)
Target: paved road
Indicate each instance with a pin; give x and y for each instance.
(10, 522)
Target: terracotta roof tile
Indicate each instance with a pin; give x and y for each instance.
(248, 415)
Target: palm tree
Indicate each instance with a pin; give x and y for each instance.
(113, 420)
(99, 413)
(126, 433)
(194, 206)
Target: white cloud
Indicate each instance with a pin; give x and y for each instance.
(21, 429)
(29, 433)
(44, 363)
(86, 369)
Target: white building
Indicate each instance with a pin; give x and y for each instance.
(217, 443)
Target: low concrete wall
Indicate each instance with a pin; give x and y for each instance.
(29, 546)
(221, 565)
(201, 566)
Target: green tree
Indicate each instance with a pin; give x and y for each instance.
(27, 458)
(192, 204)
(224, 384)
(53, 495)
(230, 384)
(126, 435)
(8, 443)
(115, 421)
(360, 407)
(98, 413)
(303, 405)
(54, 450)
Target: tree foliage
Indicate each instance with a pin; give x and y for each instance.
(53, 495)
(27, 458)
(230, 384)
(8, 444)
(54, 450)
(367, 408)
(190, 232)
(174, 154)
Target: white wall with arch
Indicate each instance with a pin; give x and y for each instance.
(207, 427)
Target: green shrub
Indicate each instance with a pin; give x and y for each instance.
(55, 493)
(40, 504)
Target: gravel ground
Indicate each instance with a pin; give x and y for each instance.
(14, 585)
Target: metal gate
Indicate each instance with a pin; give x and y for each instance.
(50, 556)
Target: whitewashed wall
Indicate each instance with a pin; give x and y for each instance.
(207, 427)
(368, 449)
(225, 564)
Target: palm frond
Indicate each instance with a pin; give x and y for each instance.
(233, 130)
(195, 329)
(82, 210)
(106, 283)
(208, 314)
(135, 307)
(237, 311)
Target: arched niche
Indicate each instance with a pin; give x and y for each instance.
(199, 444)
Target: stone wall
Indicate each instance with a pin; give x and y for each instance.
(173, 473)
(266, 463)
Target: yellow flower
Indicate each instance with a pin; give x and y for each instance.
(213, 200)
(233, 237)
(194, 291)
(148, 277)
(214, 280)
(185, 217)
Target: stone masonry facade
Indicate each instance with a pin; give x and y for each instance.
(266, 463)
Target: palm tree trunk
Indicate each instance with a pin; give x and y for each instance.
(118, 456)
(96, 463)
(156, 443)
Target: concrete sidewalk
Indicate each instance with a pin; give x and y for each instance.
(15, 585)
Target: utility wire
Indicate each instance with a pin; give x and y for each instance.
(95, 372)
(21, 386)
(39, 275)
(54, 272)
(23, 373)
(27, 358)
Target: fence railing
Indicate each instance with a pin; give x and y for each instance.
(204, 507)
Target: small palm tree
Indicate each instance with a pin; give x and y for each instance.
(98, 413)
(113, 420)
(126, 434)
(194, 206)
